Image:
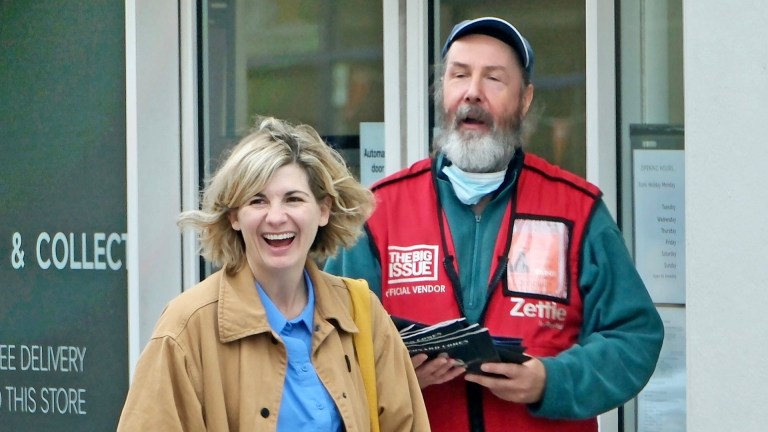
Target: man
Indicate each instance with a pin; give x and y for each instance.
(505, 239)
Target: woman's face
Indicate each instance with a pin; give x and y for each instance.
(279, 224)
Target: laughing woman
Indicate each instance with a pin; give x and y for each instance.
(267, 342)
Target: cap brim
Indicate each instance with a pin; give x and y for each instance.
(496, 28)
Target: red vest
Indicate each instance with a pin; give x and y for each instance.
(535, 294)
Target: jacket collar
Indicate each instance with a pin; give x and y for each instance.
(241, 312)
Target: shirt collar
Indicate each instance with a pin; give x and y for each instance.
(241, 312)
(276, 318)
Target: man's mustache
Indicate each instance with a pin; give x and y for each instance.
(472, 112)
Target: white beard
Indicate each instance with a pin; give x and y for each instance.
(475, 151)
(479, 152)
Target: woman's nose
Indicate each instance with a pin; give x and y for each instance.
(275, 214)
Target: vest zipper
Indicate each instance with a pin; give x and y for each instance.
(475, 258)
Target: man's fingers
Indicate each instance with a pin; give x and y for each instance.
(418, 360)
(436, 371)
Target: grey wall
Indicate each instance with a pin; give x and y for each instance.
(153, 152)
(726, 114)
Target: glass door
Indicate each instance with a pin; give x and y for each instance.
(652, 190)
(305, 61)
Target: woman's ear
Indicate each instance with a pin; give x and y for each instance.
(232, 216)
(325, 211)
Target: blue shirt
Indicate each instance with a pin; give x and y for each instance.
(306, 404)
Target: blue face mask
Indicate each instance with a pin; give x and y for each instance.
(471, 187)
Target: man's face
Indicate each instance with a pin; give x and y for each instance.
(484, 101)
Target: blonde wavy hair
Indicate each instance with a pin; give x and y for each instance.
(249, 166)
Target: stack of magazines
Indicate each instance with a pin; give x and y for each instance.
(469, 344)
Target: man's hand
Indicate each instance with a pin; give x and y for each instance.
(521, 383)
(436, 371)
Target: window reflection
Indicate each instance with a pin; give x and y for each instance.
(306, 61)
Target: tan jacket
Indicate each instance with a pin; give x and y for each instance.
(214, 364)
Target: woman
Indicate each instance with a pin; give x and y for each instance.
(266, 343)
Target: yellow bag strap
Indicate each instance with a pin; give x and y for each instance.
(361, 312)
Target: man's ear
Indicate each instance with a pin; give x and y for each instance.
(527, 98)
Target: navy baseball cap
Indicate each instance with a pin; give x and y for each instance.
(499, 29)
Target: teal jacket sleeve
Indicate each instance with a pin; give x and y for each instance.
(620, 338)
(357, 262)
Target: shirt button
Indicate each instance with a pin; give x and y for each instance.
(264, 412)
(304, 368)
(319, 406)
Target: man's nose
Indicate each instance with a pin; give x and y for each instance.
(474, 93)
